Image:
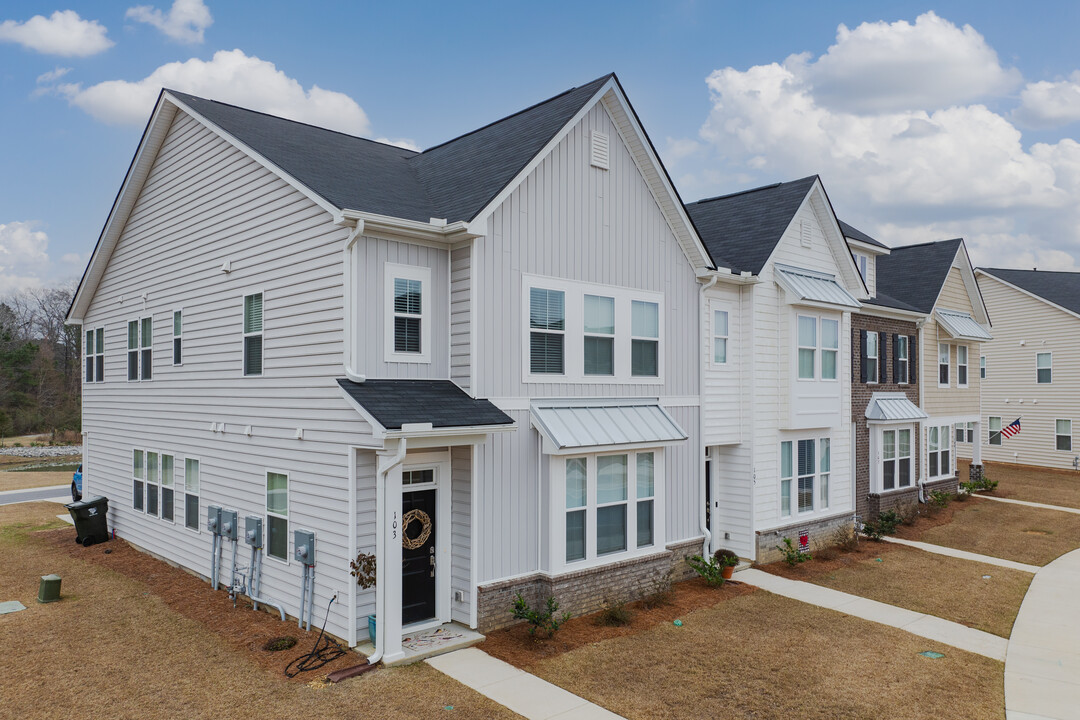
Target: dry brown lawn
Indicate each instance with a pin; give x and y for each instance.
(1003, 530)
(117, 648)
(1023, 482)
(764, 656)
(937, 585)
(28, 480)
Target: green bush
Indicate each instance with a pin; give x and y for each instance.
(726, 558)
(709, 569)
(941, 499)
(885, 524)
(845, 538)
(792, 555)
(546, 619)
(615, 614)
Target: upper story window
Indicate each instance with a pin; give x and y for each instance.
(962, 365)
(807, 347)
(94, 352)
(579, 332)
(408, 321)
(1044, 363)
(943, 365)
(873, 353)
(720, 336)
(140, 357)
(817, 336)
(982, 367)
(177, 337)
(903, 361)
(864, 266)
(253, 334)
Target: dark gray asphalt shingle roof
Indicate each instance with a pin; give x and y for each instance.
(453, 181)
(914, 274)
(883, 300)
(742, 229)
(1060, 288)
(855, 234)
(439, 402)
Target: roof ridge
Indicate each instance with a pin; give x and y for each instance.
(1025, 270)
(752, 190)
(289, 120)
(928, 242)
(604, 78)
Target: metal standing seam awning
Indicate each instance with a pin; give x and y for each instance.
(569, 426)
(893, 407)
(814, 287)
(961, 325)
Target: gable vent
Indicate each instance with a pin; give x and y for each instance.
(599, 155)
(804, 233)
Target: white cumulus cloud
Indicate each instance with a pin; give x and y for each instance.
(23, 255)
(63, 33)
(1048, 104)
(400, 142)
(230, 76)
(185, 22)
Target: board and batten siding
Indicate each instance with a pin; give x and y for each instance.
(205, 203)
(723, 396)
(461, 315)
(1011, 378)
(461, 532)
(953, 400)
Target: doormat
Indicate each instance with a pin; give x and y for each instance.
(430, 639)
(11, 606)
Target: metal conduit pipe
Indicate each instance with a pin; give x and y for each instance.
(213, 564)
(380, 551)
(311, 595)
(303, 599)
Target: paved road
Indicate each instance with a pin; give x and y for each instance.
(9, 497)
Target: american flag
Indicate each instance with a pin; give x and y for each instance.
(1012, 429)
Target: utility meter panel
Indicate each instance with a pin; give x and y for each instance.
(253, 531)
(304, 546)
(213, 519)
(228, 524)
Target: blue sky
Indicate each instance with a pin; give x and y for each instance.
(924, 121)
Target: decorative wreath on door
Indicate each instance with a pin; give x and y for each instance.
(425, 529)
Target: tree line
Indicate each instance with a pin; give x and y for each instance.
(40, 378)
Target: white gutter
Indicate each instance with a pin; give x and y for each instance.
(703, 485)
(349, 350)
(380, 549)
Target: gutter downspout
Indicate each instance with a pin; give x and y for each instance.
(750, 384)
(349, 350)
(380, 550)
(702, 486)
(921, 379)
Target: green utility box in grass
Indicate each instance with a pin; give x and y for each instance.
(49, 590)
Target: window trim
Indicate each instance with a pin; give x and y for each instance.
(962, 366)
(162, 486)
(643, 338)
(157, 483)
(244, 295)
(877, 472)
(287, 560)
(785, 508)
(176, 338)
(586, 334)
(574, 293)
(715, 308)
(135, 479)
(422, 274)
(140, 373)
(903, 360)
(947, 365)
(1059, 435)
(198, 515)
(99, 352)
(873, 361)
(1049, 368)
(949, 472)
(990, 430)
(982, 367)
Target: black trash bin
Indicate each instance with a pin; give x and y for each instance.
(89, 516)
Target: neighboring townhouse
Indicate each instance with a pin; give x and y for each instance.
(777, 400)
(1030, 371)
(479, 362)
(885, 415)
(937, 280)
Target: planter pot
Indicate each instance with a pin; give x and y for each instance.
(371, 629)
(726, 572)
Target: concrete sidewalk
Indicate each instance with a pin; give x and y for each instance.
(1042, 666)
(525, 694)
(965, 555)
(54, 493)
(927, 626)
(1043, 506)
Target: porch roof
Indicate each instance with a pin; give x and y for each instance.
(961, 325)
(580, 424)
(394, 403)
(893, 407)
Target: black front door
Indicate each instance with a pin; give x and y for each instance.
(418, 556)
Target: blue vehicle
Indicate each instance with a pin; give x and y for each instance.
(76, 485)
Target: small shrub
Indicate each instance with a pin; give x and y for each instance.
(709, 569)
(615, 614)
(279, 643)
(792, 555)
(546, 619)
(940, 499)
(845, 538)
(726, 558)
(824, 551)
(908, 513)
(885, 524)
(660, 594)
(984, 484)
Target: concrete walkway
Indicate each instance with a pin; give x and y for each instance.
(525, 694)
(1043, 506)
(927, 626)
(965, 555)
(1042, 666)
(54, 493)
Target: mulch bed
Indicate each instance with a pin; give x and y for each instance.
(193, 598)
(825, 562)
(514, 644)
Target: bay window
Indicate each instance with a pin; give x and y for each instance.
(786, 474)
(939, 445)
(895, 459)
(826, 466)
(830, 348)
(610, 504)
(576, 500)
(807, 346)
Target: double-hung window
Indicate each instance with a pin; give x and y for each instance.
(902, 359)
(895, 459)
(943, 364)
(94, 352)
(133, 350)
(806, 475)
(611, 500)
(146, 343)
(1063, 434)
(645, 338)
(982, 367)
(810, 341)
(807, 347)
(961, 366)
(409, 320)
(825, 446)
(576, 502)
(873, 352)
(599, 335)
(720, 336)
(152, 481)
(408, 316)
(830, 348)
(277, 515)
(939, 445)
(253, 334)
(646, 490)
(965, 432)
(138, 475)
(167, 477)
(993, 428)
(1044, 364)
(786, 475)
(547, 331)
(191, 493)
(177, 337)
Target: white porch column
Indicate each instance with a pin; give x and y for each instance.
(389, 618)
(976, 445)
(715, 535)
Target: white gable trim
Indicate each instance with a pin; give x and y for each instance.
(633, 136)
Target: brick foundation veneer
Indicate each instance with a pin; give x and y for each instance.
(867, 506)
(975, 473)
(585, 591)
(893, 500)
(820, 530)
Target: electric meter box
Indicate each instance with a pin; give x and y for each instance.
(228, 524)
(213, 519)
(304, 546)
(253, 531)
